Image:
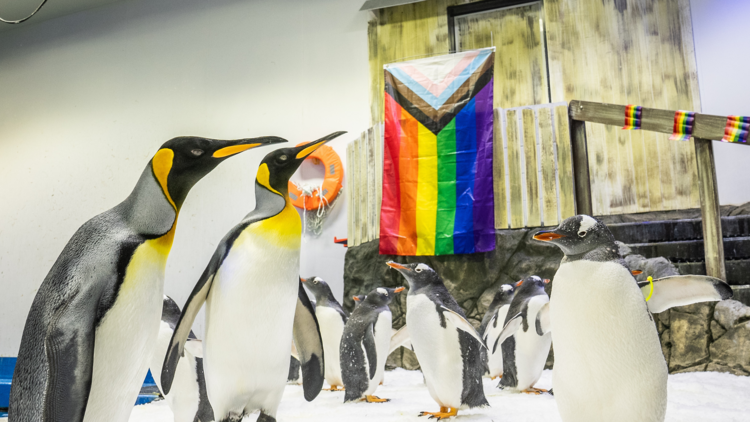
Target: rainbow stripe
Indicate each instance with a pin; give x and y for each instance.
(683, 125)
(437, 187)
(632, 117)
(736, 129)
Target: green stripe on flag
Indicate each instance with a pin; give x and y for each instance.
(446, 212)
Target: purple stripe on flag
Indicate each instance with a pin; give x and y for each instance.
(484, 199)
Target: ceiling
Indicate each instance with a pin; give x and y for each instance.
(19, 9)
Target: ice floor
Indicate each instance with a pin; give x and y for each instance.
(694, 397)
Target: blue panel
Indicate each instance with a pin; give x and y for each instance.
(7, 365)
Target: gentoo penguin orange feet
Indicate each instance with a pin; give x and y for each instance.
(537, 391)
(375, 399)
(334, 388)
(445, 412)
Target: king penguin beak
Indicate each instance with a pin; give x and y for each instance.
(302, 151)
(230, 148)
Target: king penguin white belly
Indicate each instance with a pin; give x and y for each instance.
(126, 335)
(438, 349)
(608, 359)
(249, 317)
(331, 330)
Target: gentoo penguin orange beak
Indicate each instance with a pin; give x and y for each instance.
(519, 283)
(546, 281)
(636, 272)
(397, 266)
(302, 279)
(547, 235)
(399, 289)
(356, 298)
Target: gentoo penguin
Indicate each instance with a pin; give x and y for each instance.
(524, 349)
(93, 323)
(492, 325)
(188, 399)
(608, 360)
(358, 299)
(331, 319)
(446, 344)
(365, 344)
(249, 289)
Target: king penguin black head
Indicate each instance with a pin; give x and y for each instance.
(530, 284)
(279, 165)
(417, 274)
(181, 162)
(382, 296)
(578, 235)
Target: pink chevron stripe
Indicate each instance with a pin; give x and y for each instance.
(437, 88)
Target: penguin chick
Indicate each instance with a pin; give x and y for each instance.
(608, 360)
(187, 399)
(492, 325)
(93, 323)
(331, 319)
(365, 344)
(251, 282)
(446, 344)
(524, 349)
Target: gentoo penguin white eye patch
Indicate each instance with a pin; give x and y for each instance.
(586, 223)
(420, 268)
(197, 152)
(382, 291)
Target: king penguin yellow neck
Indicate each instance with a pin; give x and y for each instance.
(162, 165)
(283, 229)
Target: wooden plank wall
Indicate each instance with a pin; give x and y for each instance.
(533, 169)
(627, 52)
(364, 182)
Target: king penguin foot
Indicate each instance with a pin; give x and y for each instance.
(536, 391)
(334, 388)
(445, 412)
(375, 399)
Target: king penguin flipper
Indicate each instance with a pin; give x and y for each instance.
(462, 324)
(542, 320)
(309, 345)
(683, 290)
(182, 330)
(69, 346)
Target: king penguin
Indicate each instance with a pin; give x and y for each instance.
(524, 349)
(446, 344)
(250, 288)
(90, 332)
(365, 344)
(492, 325)
(331, 319)
(608, 360)
(188, 399)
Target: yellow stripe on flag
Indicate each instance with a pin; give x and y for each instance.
(427, 192)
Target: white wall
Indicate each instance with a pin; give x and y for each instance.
(719, 30)
(86, 100)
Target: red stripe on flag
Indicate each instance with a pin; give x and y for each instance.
(390, 213)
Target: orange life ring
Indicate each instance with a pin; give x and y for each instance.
(334, 176)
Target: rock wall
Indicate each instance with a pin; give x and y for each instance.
(697, 337)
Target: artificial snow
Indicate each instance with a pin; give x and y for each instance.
(693, 397)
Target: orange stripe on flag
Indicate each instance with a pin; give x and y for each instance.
(409, 173)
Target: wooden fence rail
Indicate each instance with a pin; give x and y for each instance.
(705, 129)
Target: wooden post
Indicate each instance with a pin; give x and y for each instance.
(713, 240)
(581, 167)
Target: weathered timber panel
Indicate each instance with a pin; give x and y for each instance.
(498, 171)
(364, 186)
(531, 169)
(635, 52)
(548, 160)
(564, 163)
(520, 61)
(515, 181)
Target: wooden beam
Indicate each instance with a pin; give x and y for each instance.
(580, 166)
(706, 126)
(712, 236)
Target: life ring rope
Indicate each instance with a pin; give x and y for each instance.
(323, 195)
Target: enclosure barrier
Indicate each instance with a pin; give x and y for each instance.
(364, 187)
(705, 129)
